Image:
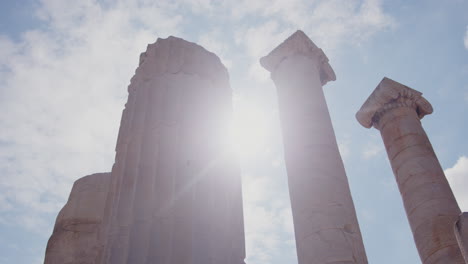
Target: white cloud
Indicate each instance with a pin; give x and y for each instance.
(291, 11)
(344, 146)
(328, 23)
(267, 216)
(287, 220)
(262, 242)
(258, 41)
(344, 150)
(372, 150)
(465, 40)
(367, 216)
(62, 92)
(336, 22)
(458, 179)
(277, 162)
(214, 41)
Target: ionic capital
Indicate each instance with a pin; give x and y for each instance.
(390, 95)
(299, 44)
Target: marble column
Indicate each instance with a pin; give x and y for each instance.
(325, 222)
(461, 233)
(175, 194)
(395, 110)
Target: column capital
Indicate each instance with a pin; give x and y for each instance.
(299, 43)
(388, 95)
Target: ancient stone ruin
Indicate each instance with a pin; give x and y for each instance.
(174, 193)
(325, 222)
(395, 110)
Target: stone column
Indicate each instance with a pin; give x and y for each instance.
(175, 195)
(461, 233)
(432, 210)
(325, 223)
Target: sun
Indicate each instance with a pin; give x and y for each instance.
(249, 129)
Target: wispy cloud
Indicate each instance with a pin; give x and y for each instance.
(344, 146)
(328, 23)
(215, 41)
(372, 150)
(63, 88)
(258, 41)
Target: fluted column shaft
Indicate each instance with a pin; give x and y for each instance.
(428, 200)
(325, 222)
(175, 195)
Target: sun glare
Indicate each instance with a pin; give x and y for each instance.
(249, 130)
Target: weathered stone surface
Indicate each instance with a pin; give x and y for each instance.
(175, 194)
(396, 110)
(325, 223)
(299, 44)
(461, 233)
(390, 95)
(76, 230)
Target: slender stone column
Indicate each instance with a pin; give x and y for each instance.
(432, 210)
(325, 223)
(461, 233)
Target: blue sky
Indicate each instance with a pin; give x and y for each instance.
(65, 66)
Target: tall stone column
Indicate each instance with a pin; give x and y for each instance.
(175, 195)
(395, 110)
(325, 223)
